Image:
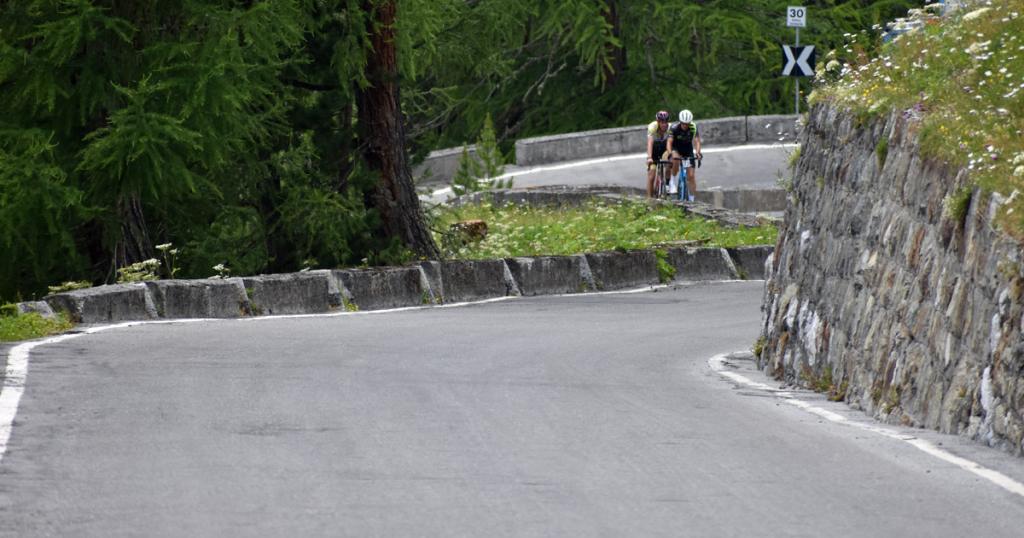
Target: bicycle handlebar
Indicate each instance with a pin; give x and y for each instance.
(694, 158)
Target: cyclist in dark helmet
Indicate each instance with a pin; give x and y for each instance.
(657, 146)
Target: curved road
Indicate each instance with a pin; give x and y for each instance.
(751, 165)
(585, 415)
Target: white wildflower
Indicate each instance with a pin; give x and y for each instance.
(976, 13)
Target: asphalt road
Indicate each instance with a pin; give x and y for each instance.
(591, 415)
(753, 165)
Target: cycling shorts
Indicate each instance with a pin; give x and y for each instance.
(688, 158)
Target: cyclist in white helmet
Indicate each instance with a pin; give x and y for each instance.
(657, 146)
(684, 143)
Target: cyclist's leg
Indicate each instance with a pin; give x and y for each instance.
(677, 167)
(659, 180)
(651, 170)
(666, 178)
(691, 179)
(681, 180)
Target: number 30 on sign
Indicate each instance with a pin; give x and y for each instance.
(796, 16)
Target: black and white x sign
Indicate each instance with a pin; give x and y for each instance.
(799, 61)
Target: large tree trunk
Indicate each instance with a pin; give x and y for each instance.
(613, 72)
(383, 134)
(134, 245)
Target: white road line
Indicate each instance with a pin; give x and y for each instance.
(717, 363)
(574, 164)
(16, 371)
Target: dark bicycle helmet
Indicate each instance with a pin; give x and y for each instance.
(662, 115)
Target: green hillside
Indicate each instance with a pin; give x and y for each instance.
(961, 78)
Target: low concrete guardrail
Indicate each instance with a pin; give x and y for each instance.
(426, 283)
(440, 165)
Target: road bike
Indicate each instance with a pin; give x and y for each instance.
(684, 190)
(661, 177)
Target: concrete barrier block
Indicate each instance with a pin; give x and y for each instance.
(430, 274)
(36, 307)
(293, 293)
(582, 145)
(723, 130)
(765, 199)
(617, 270)
(750, 261)
(384, 287)
(774, 128)
(465, 280)
(105, 304)
(440, 166)
(549, 275)
(694, 264)
(204, 298)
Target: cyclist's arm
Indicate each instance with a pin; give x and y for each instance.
(696, 143)
(650, 149)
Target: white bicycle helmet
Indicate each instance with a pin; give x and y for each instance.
(686, 116)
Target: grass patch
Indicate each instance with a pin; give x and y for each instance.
(956, 204)
(758, 346)
(882, 151)
(960, 78)
(533, 231)
(32, 325)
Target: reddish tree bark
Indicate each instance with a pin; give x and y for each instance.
(382, 131)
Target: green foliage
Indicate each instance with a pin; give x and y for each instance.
(232, 127)
(236, 238)
(139, 271)
(530, 231)
(882, 150)
(553, 67)
(793, 159)
(479, 172)
(492, 162)
(957, 79)
(31, 325)
(666, 271)
(70, 285)
(37, 203)
(956, 204)
(466, 178)
(230, 123)
(758, 346)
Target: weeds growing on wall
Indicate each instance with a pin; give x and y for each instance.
(14, 327)
(960, 78)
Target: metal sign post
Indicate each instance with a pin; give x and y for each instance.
(796, 17)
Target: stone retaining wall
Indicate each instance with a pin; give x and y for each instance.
(905, 310)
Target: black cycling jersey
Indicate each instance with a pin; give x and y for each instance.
(682, 139)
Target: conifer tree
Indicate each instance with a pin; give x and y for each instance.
(466, 178)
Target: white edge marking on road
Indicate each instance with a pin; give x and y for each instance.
(16, 371)
(717, 364)
(588, 162)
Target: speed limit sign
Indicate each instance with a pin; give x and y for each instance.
(796, 16)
